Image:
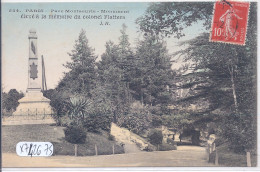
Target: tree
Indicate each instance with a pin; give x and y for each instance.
(115, 73)
(80, 80)
(10, 100)
(125, 61)
(170, 18)
(224, 75)
(153, 73)
(111, 77)
(82, 76)
(220, 71)
(145, 75)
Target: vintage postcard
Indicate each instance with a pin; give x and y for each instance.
(129, 84)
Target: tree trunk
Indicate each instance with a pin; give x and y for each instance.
(233, 88)
(248, 159)
(150, 99)
(115, 118)
(216, 157)
(96, 150)
(142, 95)
(83, 85)
(142, 99)
(128, 92)
(76, 149)
(113, 149)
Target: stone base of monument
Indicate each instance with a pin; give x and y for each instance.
(33, 108)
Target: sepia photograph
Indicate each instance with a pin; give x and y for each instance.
(129, 84)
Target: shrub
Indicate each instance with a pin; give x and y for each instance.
(75, 134)
(155, 137)
(170, 141)
(97, 122)
(137, 123)
(59, 102)
(195, 138)
(111, 137)
(156, 121)
(167, 147)
(150, 148)
(63, 120)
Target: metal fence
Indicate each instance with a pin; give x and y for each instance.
(34, 111)
(30, 114)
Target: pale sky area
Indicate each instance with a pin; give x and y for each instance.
(56, 37)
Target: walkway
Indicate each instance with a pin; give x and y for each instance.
(184, 156)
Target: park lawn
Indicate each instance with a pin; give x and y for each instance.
(230, 159)
(12, 134)
(104, 146)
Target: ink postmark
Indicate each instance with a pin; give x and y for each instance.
(229, 23)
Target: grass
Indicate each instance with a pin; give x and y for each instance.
(13, 134)
(230, 159)
(104, 146)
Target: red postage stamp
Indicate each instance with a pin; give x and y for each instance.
(229, 23)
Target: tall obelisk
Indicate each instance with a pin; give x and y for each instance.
(33, 78)
(33, 103)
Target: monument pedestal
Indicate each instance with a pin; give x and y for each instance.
(33, 103)
(33, 108)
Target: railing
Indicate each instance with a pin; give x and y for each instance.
(36, 111)
(35, 114)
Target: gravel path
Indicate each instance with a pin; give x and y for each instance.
(184, 156)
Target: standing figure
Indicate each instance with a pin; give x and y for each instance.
(230, 22)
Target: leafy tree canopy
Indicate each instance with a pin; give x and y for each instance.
(10, 100)
(170, 18)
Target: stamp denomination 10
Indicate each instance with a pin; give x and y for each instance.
(34, 149)
(229, 23)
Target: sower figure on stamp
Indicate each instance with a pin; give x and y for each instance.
(230, 21)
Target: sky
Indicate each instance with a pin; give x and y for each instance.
(56, 37)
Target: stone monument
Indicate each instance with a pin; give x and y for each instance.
(33, 103)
